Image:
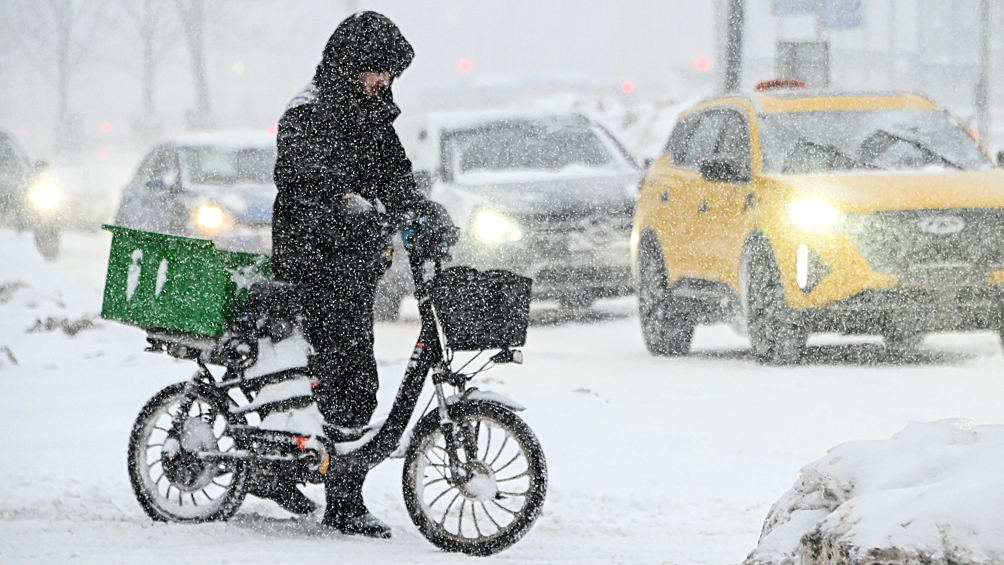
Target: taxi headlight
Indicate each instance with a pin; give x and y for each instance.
(812, 213)
(44, 196)
(210, 217)
(490, 226)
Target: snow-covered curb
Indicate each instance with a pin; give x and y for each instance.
(931, 495)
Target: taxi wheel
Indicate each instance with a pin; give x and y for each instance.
(773, 328)
(666, 325)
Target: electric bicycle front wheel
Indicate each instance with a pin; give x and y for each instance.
(486, 496)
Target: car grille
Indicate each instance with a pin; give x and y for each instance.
(561, 237)
(928, 248)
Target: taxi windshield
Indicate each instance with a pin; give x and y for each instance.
(209, 165)
(864, 140)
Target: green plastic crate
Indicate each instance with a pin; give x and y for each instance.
(182, 284)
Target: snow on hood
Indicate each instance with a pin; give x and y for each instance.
(930, 495)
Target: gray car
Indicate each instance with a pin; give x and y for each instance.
(547, 196)
(210, 185)
(29, 199)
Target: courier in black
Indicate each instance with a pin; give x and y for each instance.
(342, 175)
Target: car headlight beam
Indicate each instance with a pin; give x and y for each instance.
(209, 217)
(44, 196)
(490, 226)
(812, 213)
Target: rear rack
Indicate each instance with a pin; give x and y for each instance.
(184, 346)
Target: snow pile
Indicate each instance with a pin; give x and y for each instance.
(930, 495)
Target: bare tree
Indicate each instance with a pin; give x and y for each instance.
(57, 37)
(193, 16)
(156, 37)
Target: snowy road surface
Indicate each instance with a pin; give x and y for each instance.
(652, 460)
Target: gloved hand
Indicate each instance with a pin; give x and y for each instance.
(360, 228)
(431, 233)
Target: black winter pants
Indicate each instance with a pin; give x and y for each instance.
(340, 329)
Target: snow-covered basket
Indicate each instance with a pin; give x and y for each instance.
(931, 495)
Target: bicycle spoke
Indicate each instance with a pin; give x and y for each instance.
(436, 468)
(434, 481)
(447, 512)
(474, 518)
(441, 495)
(487, 513)
(460, 521)
(503, 508)
(514, 477)
(442, 460)
(514, 458)
(505, 440)
(520, 494)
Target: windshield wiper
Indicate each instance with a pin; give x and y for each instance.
(880, 141)
(838, 160)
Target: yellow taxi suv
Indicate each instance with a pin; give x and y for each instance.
(789, 212)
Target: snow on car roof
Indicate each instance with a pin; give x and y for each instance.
(465, 119)
(420, 135)
(807, 101)
(227, 138)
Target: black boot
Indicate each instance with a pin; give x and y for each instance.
(366, 525)
(280, 490)
(345, 512)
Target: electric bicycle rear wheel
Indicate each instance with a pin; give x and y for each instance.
(178, 458)
(494, 492)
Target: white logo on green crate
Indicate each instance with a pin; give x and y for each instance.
(132, 280)
(246, 276)
(161, 277)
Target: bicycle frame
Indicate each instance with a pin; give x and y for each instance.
(428, 355)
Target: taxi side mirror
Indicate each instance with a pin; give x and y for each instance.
(724, 170)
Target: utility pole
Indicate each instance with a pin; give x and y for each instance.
(983, 84)
(734, 45)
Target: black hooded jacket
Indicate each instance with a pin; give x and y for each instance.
(333, 141)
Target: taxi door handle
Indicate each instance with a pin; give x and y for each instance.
(664, 197)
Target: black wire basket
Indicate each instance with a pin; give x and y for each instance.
(482, 309)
